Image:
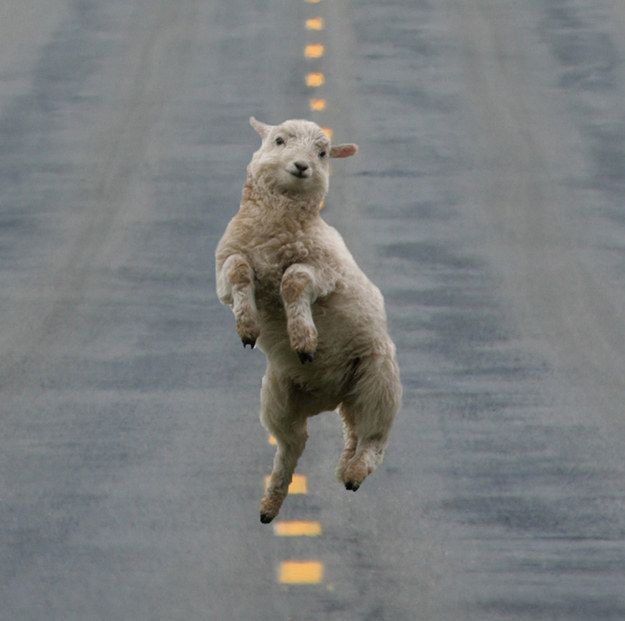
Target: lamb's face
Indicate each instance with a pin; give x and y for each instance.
(293, 157)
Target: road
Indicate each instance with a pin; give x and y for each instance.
(486, 202)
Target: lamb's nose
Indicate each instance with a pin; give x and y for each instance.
(301, 166)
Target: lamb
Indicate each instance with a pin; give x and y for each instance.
(297, 293)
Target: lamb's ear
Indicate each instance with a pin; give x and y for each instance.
(344, 150)
(262, 128)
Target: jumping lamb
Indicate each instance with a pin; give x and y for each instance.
(297, 293)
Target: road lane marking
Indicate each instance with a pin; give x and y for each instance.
(315, 79)
(303, 572)
(297, 528)
(317, 105)
(300, 572)
(315, 23)
(299, 484)
(314, 50)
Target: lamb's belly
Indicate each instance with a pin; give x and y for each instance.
(335, 331)
(273, 332)
(329, 372)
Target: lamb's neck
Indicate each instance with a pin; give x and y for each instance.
(271, 205)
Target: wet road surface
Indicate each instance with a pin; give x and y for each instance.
(486, 202)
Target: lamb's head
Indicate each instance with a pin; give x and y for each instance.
(293, 157)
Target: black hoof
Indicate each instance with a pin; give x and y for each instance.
(351, 486)
(250, 342)
(305, 356)
(266, 518)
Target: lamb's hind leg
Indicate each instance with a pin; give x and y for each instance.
(350, 440)
(280, 418)
(368, 415)
(364, 445)
(290, 447)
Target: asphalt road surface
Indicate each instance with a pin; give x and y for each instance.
(487, 203)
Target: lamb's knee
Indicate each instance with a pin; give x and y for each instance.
(234, 277)
(239, 271)
(294, 285)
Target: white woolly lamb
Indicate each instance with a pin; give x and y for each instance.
(296, 292)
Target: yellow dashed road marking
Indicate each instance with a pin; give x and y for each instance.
(314, 50)
(300, 572)
(299, 484)
(317, 105)
(315, 23)
(297, 528)
(315, 79)
(304, 572)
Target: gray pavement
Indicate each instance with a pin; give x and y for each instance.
(487, 203)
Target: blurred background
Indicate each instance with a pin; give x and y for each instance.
(486, 202)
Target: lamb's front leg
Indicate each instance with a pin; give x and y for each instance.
(235, 287)
(298, 293)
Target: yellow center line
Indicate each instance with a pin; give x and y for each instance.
(297, 528)
(314, 50)
(315, 23)
(300, 572)
(315, 79)
(303, 572)
(317, 105)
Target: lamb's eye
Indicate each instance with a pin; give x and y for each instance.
(279, 140)
(322, 154)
